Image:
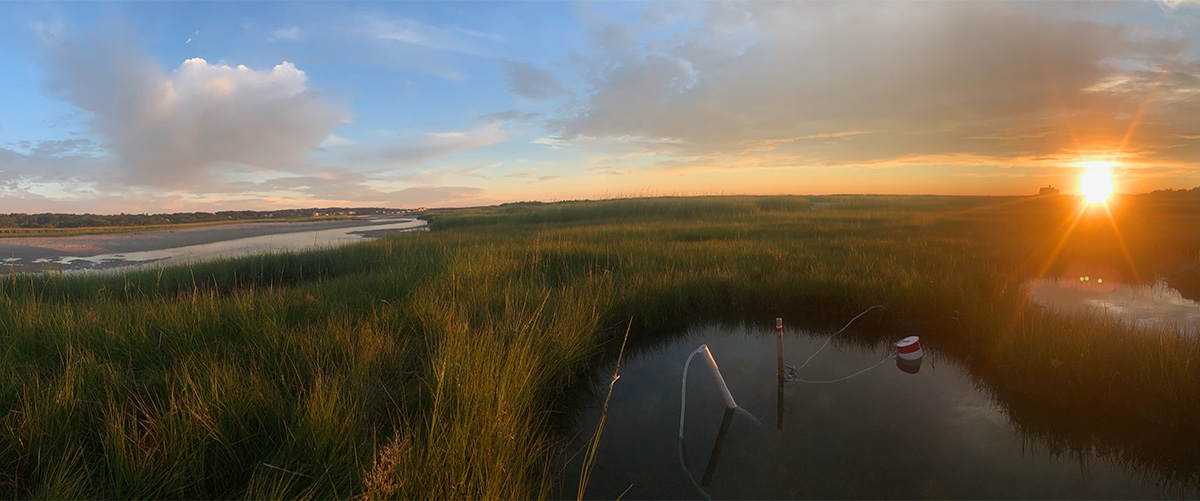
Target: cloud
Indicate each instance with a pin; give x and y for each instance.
(219, 135)
(412, 152)
(385, 39)
(49, 32)
(334, 141)
(440, 196)
(390, 180)
(526, 81)
(508, 116)
(530, 175)
(174, 129)
(426, 158)
(406, 31)
(612, 170)
(292, 34)
(1176, 4)
(58, 161)
(843, 83)
(60, 147)
(8, 158)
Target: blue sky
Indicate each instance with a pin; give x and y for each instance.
(175, 106)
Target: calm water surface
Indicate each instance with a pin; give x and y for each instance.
(1143, 305)
(1099, 288)
(884, 434)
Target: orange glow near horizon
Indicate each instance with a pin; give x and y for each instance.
(1096, 185)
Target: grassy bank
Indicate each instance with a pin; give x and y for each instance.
(428, 364)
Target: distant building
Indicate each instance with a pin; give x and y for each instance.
(1049, 190)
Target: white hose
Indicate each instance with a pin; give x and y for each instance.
(683, 390)
(682, 413)
(704, 348)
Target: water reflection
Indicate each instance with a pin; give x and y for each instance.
(909, 366)
(1093, 288)
(889, 433)
(726, 420)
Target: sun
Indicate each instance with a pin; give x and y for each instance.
(1096, 183)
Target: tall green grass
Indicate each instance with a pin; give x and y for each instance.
(429, 365)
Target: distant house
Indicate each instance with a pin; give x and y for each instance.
(1049, 190)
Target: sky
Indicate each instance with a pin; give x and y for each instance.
(176, 106)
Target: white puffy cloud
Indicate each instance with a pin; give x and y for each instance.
(213, 134)
(172, 129)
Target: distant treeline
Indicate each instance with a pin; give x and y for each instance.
(50, 220)
(1194, 192)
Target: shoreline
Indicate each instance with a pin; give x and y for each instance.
(35, 254)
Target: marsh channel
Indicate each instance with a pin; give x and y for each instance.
(897, 431)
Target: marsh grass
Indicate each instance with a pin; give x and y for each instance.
(429, 365)
(593, 446)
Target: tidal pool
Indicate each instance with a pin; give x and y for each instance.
(888, 433)
(1100, 289)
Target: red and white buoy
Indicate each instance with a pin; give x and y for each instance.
(909, 348)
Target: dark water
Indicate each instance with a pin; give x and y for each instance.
(883, 434)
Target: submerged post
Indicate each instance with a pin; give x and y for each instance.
(779, 359)
(712, 367)
(779, 346)
(716, 451)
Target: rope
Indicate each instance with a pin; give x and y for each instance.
(792, 370)
(838, 380)
(810, 357)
